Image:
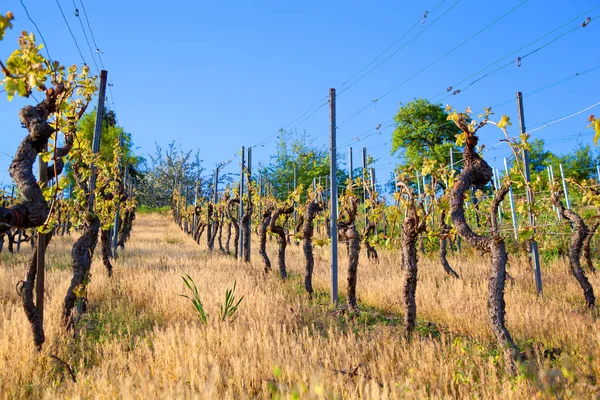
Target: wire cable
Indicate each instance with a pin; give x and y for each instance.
(547, 124)
(436, 60)
(397, 50)
(511, 54)
(37, 29)
(550, 85)
(86, 37)
(70, 31)
(98, 52)
(310, 112)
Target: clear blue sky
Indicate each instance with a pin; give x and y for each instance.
(219, 75)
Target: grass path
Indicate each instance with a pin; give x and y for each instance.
(141, 340)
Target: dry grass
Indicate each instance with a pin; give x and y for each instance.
(140, 340)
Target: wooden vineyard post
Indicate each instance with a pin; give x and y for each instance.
(241, 209)
(333, 197)
(195, 218)
(533, 244)
(248, 236)
(97, 134)
(364, 177)
(115, 237)
(295, 205)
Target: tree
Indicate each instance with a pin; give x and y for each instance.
(539, 156)
(165, 170)
(423, 131)
(294, 151)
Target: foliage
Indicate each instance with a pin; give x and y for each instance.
(423, 132)
(67, 92)
(230, 307)
(227, 310)
(195, 298)
(164, 171)
(295, 151)
(595, 123)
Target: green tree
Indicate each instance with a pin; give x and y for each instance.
(294, 151)
(539, 157)
(111, 132)
(423, 132)
(579, 164)
(165, 171)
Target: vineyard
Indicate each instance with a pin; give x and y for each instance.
(131, 276)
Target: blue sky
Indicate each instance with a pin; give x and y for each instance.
(219, 75)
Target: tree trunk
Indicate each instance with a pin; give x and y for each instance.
(409, 290)
(371, 252)
(262, 237)
(221, 248)
(412, 227)
(236, 226)
(478, 173)
(199, 232)
(580, 232)
(247, 221)
(106, 250)
(444, 231)
(126, 227)
(82, 254)
(587, 255)
(312, 208)
(11, 241)
(26, 292)
(228, 241)
(347, 229)
(214, 231)
(281, 237)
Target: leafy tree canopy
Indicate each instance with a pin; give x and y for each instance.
(580, 163)
(294, 150)
(423, 132)
(167, 170)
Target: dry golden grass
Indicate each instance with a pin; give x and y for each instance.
(140, 340)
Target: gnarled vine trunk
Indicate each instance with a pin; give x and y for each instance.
(262, 237)
(82, 253)
(246, 223)
(221, 248)
(412, 227)
(580, 232)
(444, 231)
(32, 212)
(126, 227)
(347, 230)
(478, 173)
(26, 292)
(587, 243)
(236, 226)
(105, 242)
(312, 208)
(228, 241)
(281, 237)
(371, 252)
